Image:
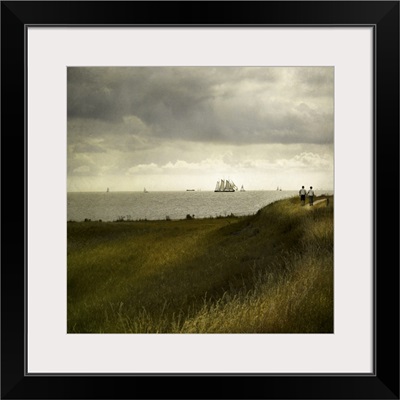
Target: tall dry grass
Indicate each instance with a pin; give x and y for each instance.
(268, 273)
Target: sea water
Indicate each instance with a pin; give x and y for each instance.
(113, 206)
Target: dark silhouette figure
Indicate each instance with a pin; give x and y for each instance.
(310, 195)
(302, 194)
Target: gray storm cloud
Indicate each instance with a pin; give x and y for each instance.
(224, 104)
(138, 121)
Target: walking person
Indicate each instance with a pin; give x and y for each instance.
(302, 194)
(310, 195)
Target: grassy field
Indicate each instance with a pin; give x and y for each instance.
(267, 273)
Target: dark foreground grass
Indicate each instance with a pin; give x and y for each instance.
(267, 273)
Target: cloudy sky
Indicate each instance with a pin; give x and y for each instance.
(177, 128)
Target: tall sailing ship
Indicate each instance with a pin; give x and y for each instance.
(225, 186)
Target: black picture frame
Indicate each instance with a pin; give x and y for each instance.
(383, 383)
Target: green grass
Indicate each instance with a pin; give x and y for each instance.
(267, 273)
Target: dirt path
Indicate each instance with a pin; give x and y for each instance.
(316, 202)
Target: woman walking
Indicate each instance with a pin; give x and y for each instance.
(310, 195)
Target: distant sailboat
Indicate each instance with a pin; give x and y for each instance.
(108, 190)
(242, 189)
(145, 190)
(225, 186)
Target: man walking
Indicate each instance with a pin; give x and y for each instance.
(302, 194)
(311, 196)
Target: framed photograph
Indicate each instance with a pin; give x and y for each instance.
(207, 200)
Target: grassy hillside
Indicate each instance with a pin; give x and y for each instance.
(271, 272)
